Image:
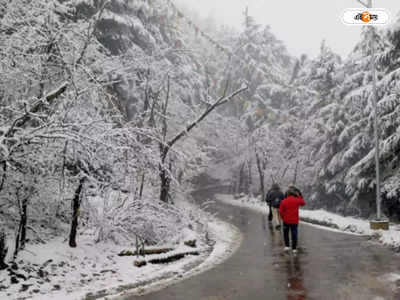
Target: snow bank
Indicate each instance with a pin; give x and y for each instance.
(227, 240)
(68, 273)
(56, 271)
(326, 220)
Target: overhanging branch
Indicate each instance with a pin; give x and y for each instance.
(54, 94)
(217, 103)
(35, 107)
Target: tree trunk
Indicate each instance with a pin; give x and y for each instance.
(236, 188)
(24, 219)
(180, 176)
(165, 180)
(295, 173)
(165, 183)
(3, 176)
(164, 148)
(231, 189)
(17, 238)
(250, 173)
(141, 185)
(21, 233)
(76, 202)
(164, 176)
(248, 178)
(3, 250)
(261, 175)
(241, 178)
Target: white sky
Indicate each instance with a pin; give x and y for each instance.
(301, 25)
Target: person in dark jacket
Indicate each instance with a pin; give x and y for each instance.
(289, 211)
(274, 198)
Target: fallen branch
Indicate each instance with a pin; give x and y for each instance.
(175, 257)
(164, 260)
(145, 252)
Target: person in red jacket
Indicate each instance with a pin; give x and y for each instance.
(289, 211)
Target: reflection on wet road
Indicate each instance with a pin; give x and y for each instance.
(329, 265)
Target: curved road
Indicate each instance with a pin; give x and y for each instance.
(329, 265)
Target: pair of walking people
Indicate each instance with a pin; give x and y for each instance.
(285, 211)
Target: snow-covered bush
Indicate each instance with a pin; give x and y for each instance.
(121, 219)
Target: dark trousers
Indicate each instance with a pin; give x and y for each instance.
(293, 229)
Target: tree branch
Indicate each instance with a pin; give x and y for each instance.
(56, 93)
(35, 107)
(92, 28)
(272, 177)
(165, 109)
(295, 173)
(284, 172)
(217, 103)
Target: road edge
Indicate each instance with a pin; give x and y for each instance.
(221, 251)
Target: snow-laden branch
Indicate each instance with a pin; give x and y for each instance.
(91, 32)
(54, 94)
(209, 109)
(35, 107)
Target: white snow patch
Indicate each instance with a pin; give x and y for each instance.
(228, 239)
(391, 277)
(91, 267)
(88, 268)
(345, 224)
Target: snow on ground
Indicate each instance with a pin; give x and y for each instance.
(72, 273)
(56, 271)
(326, 220)
(227, 240)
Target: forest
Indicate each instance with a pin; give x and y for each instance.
(111, 109)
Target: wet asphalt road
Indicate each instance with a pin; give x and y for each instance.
(329, 265)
